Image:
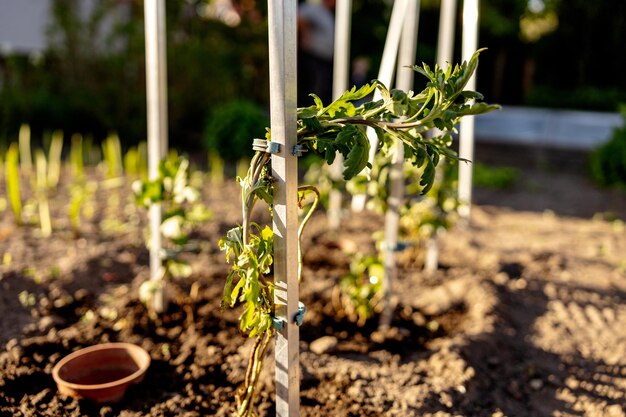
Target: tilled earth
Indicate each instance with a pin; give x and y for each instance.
(526, 315)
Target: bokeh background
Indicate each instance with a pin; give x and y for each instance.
(78, 65)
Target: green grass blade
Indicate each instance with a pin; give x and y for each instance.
(54, 159)
(26, 160)
(41, 166)
(216, 168)
(76, 157)
(13, 182)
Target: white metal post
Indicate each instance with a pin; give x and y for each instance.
(385, 75)
(404, 81)
(282, 65)
(156, 100)
(341, 71)
(445, 43)
(466, 132)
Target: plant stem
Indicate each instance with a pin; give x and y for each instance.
(315, 191)
(253, 371)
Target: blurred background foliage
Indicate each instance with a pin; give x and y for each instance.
(91, 77)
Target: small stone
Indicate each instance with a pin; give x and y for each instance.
(45, 324)
(614, 410)
(536, 384)
(324, 344)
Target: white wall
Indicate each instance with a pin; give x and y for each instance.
(22, 25)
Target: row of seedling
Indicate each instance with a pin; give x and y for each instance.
(32, 176)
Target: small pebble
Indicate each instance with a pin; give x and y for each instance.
(324, 344)
(536, 384)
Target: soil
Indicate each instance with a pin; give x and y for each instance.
(526, 315)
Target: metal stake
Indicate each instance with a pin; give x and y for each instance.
(282, 65)
(385, 75)
(156, 100)
(445, 44)
(404, 77)
(466, 132)
(341, 67)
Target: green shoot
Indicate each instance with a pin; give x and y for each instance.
(112, 153)
(142, 149)
(182, 212)
(242, 167)
(41, 191)
(26, 159)
(78, 189)
(76, 157)
(216, 168)
(361, 289)
(132, 162)
(12, 177)
(54, 159)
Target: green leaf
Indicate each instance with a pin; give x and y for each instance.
(307, 112)
(357, 159)
(179, 269)
(425, 71)
(478, 108)
(13, 181)
(469, 95)
(428, 176)
(398, 104)
(232, 243)
(318, 104)
(227, 299)
(312, 124)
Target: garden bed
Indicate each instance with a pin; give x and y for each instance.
(525, 316)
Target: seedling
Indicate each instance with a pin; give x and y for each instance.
(12, 177)
(26, 159)
(112, 154)
(54, 159)
(41, 193)
(182, 211)
(135, 162)
(216, 168)
(81, 190)
(360, 291)
(325, 131)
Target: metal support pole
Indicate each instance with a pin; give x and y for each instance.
(404, 81)
(385, 75)
(466, 132)
(341, 61)
(445, 44)
(341, 71)
(282, 65)
(156, 100)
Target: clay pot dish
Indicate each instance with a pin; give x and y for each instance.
(101, 373)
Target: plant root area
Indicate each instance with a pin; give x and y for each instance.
(525, 317)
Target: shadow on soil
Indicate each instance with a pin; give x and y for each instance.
(513, 376)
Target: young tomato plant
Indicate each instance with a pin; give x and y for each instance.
(325, 130)
(360, 291)
(182, 211)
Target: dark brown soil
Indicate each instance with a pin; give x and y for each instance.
(525, 317)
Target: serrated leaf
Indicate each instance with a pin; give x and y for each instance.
(359, 94)
(307, 112)
(179, 269)
(318, 103)
(425, 71)
(312, 124)
(357, 159)
(398, 104)
(428, 176)
(227, 296)
(478, 108)
(469, 95)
